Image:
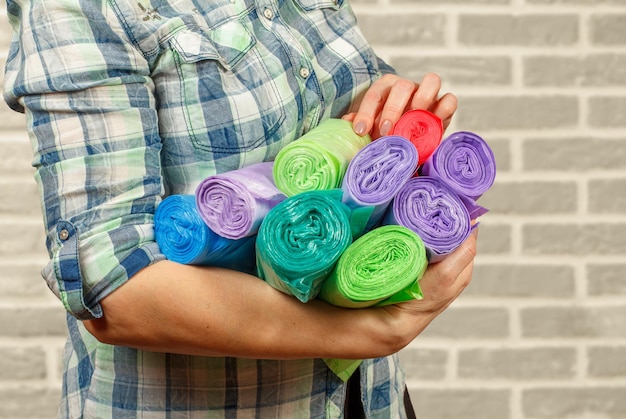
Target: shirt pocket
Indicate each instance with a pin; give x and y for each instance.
(230, 101)
(336, 22)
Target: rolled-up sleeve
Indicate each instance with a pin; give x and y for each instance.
(93, 127)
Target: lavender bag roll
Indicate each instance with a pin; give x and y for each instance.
(433, 210)
(184, 238)
(464, 161)
(234, 203)
(376, 174)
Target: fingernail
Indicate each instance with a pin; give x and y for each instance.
(386, 126)
(360, 127)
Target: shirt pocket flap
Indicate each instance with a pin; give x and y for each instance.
(227, 43)
(310, 5)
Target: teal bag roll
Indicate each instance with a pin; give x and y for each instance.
(301, 239)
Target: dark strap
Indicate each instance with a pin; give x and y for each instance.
(408, 406)
(353, 408)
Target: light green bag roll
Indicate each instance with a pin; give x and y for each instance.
(319, 159)
(382, 267)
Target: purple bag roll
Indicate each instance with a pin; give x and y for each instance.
(234, 203)
(433, 210)
(465, 161)
(376, 174)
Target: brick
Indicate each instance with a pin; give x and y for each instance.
(522, 281)
(589, 402)
(24, 239)
(22, 281)
(573, 322)
(606, 279)
(607, 196)
(523, 30)
(11, 119)
(465, 403)
(16, 158)
(26, 363)
(517, 112)
(33, 321)
(574, 239)
(502, 151)
(29, 402)
(607, 112)
(488, 2)
(608, 29)
(607, 361)
(469, 323)
(578, 2)
(20, 197)
(404, 29)
(424, 364)
(457, 70)
(574, 154)
(600, 70)
(493, 238)
(531, 198)
(517, 364)
(6, 32)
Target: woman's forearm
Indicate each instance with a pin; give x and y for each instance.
(169, 307)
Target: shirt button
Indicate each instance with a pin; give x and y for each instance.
(304, 72)
(268, 14)
(64, 234)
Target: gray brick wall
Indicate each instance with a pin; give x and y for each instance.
(541, 331)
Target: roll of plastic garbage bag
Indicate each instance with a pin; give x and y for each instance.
(233, 204)
(423, 129)
(301, 240)
(433, 210)
(382, 267)
(464, 161)
(319, 159)
(184, 237)
(376, 174)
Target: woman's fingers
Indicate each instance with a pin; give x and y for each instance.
(445, 108)
(427, 92)
(389, 97)
(445, 280)
(397, 101)
(372, 103)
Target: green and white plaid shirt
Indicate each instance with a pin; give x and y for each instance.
(130, 100)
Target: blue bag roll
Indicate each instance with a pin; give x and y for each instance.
(184, 238)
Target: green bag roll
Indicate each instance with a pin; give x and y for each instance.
(300, 241)
(382, 267)
(319, 159)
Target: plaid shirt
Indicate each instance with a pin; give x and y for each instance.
(131, 100)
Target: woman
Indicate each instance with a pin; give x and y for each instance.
(128, 101)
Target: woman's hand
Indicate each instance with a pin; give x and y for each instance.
(380, 107)
(442, 283)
